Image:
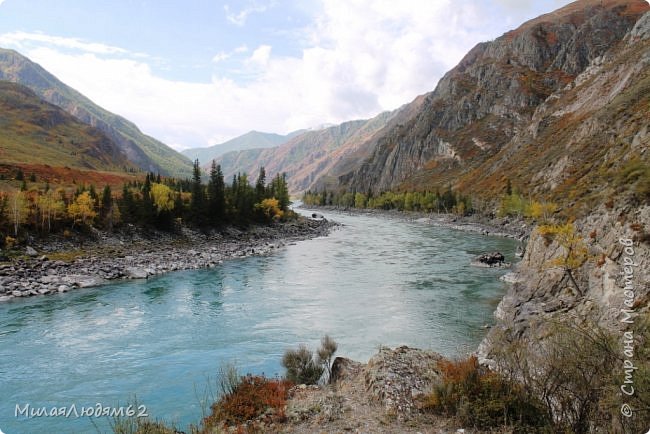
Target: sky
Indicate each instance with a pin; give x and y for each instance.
(195, 73)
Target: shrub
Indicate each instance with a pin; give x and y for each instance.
(483, 398)
(577, 371)
(138, 425)
(301, 366)
(10, 242)
(325, 353)
(574, 251)
(253, 397)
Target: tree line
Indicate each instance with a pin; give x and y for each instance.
(446, 201)
(159, 202)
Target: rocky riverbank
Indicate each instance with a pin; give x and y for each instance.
(61, 264)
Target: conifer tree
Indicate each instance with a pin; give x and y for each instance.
(197, 205)
(216, 194)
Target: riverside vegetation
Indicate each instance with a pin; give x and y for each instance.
(156, 224)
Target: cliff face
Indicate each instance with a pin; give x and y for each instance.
(602, 159)
(476, 115)
(542, 295)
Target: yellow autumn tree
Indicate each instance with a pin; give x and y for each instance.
(540, 210)
(82, 208)
(18, 210)
(163, 197)
(270, 208)
(49, 206)
(574, 253)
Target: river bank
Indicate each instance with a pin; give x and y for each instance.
(60, 264)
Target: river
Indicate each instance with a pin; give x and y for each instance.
(375, 281)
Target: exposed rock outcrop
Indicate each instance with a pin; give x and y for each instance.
(541, 294)
(380, 396)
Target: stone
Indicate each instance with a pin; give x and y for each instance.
(63, 288)
(87, 281)
(49, 278)
(494, 259)
(29, 251)
(135, 273)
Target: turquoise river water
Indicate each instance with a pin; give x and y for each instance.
(375, 281)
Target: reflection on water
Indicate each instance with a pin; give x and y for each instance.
(373, 282)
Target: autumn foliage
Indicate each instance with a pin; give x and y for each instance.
(254, 397)
(482, 398)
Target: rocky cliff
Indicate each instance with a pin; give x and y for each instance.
(611, 97)
(484, 118)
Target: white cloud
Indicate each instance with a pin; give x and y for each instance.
(239, 18)
(261, 56)
(22, 38)
(359, 58)
(220, 56)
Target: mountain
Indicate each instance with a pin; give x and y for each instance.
(555, 106)
(310, 155)
(34, 131)
(250, 140)
(146, 152)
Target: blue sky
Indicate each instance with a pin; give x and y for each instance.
(198, 72)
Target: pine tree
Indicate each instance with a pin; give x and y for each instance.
(129, 209)
(148, 209)
(260, 187)
(216, 194)
(281, 191)
(197, 205)
(106, 207)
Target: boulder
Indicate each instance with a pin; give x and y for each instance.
(494, 259)
(343, 368)
(135, 273)
(87, 281)
(29, 251)
(49, 278)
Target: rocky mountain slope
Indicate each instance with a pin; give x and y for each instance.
(250, 140)
(512, 107)
(146, 152)
(313, 159)
(36, 132)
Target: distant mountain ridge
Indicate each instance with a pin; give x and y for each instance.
(310, 155)
(146, 152)
(250, 140)
(36, 132)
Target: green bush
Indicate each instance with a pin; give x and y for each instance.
(301, 366)
(305, 368)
